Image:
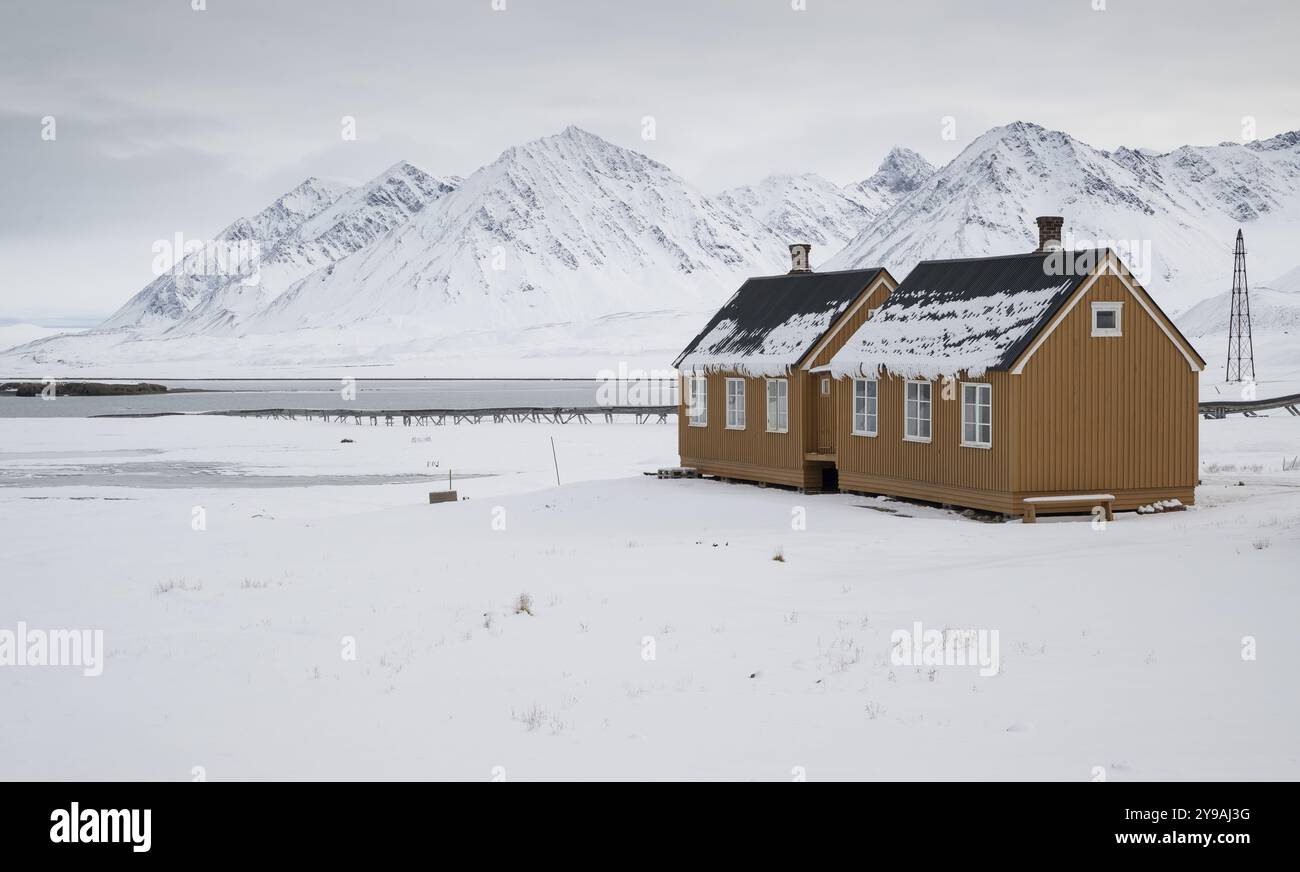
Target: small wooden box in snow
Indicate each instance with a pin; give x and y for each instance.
(442, 496)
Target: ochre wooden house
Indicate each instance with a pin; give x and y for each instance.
(1050, 377)
(751, 406)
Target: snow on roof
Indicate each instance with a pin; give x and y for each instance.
(772, 322)
(970, 315)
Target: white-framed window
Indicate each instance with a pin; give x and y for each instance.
(826, 386)
(697, 401)
(735, 404)
(916, 411)
(866, 406)
(1106, 319)
(976, 415)
(778, 405)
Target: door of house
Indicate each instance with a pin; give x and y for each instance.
(825, 405)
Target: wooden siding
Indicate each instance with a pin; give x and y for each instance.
(1115, 414)
(1112, 413)
(752, 453)
(821, 436)
(852, 320)
(924, 470)
(1086, 414)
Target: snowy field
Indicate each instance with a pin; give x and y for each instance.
(1277, 366)
(639, 340)
(226, 647)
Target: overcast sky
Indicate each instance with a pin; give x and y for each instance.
(174, 120)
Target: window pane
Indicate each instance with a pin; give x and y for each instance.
(696, 393)
(968, 432)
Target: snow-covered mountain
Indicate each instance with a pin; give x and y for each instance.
(571, 248)
(1274, 306)
(308, 233)
(565, 228)
(809, 208)
(175, 293)
(1275, 327)
(1288, 281)
(803, 208)
(1178, 212)
(1270, 310)
(900, 173)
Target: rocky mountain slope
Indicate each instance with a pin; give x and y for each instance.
(569, 247)
(1174, 216)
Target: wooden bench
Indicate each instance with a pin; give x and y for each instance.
(1033, 505)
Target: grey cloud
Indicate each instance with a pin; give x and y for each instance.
(176, 119)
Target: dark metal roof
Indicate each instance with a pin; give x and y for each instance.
(970, 278)
(969, 313)
(797, 308)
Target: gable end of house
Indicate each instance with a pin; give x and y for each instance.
(1110, 264)
(773, 324)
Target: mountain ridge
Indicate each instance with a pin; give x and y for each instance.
(1181, 207)
(570, 229)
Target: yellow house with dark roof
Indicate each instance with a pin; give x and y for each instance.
(1021, 384)
(751, 407)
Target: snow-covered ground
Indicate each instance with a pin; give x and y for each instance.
(1119, 647)
(17, 333)
(1275, 323)
(644, 340)
(1277, 366)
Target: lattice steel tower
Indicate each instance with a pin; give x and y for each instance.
(1241, 348)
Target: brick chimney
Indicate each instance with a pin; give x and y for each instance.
(1049, 231)
(799, 253)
